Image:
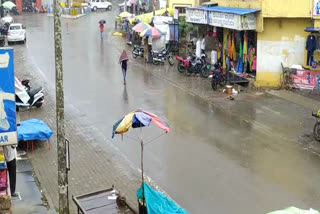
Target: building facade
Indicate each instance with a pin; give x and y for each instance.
(280, 34)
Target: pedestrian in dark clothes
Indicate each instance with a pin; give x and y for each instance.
(124, 65)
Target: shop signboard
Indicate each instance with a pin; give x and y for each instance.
(8, 126)
(233, 21)
(305, 79)
(197, 16)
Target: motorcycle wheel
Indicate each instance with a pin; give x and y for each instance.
(205, 72)
(134, 56)
(316, 131)
(214, 84)
(222, 81)
(180, 67)
(155, 62)
(188, 73)
(38, 105)
(170, 60)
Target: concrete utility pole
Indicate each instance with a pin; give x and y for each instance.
(134, 7)
(125, 5)
(154, 7)
(61, 149)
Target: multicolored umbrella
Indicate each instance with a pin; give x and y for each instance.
(151, 32)
(141, 26)
(124, 56)
(139, 119)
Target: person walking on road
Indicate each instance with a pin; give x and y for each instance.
(124, 65)
(101, 27)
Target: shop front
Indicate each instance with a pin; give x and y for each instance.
(235, 36)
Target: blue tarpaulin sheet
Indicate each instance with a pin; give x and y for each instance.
(158, 202)
(33, 129)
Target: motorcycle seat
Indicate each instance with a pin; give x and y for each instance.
(34, 92)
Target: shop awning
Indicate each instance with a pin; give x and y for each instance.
(226, 17)
(232, 10)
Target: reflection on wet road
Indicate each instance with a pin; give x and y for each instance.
(212, 161)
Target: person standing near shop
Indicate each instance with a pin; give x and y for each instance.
(203, 44)
(10, 155)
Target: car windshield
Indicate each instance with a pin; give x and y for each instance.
(15, 27)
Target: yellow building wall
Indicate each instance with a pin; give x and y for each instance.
(286, 8)
(283, 40)
(182, 3)
(272, 8)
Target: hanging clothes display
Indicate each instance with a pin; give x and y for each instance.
(245, 47)
(229, 46)
(214, 34)
(251, 55)
(233, 47)
(311, 47)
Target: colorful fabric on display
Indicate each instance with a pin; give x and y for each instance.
(137, 119)
(239, 68)
(245, 46)
(233, 55)
(251, 54)
(254, 63)
(157, 202)
(241, 51)
(229, 46)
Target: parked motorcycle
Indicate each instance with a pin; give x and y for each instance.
(191, 64)
(160, 56)
(316, 127)
(25, 97)
(137, 51)
(218, 78)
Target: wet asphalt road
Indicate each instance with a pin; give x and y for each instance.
(211, 162)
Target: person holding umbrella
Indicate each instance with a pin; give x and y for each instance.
(101, 27)
(124, 64)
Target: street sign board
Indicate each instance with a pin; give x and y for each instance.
(8, 126)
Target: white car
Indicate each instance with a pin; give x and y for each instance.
(99, 4)
(16, 33)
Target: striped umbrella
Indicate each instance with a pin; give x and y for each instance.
(151, 32)
(139, 119)
(141, 26)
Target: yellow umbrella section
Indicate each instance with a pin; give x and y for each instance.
(125, 124)
(125, 14)
(148, 16)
